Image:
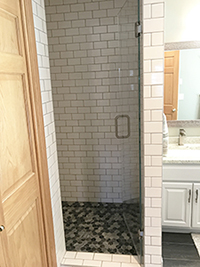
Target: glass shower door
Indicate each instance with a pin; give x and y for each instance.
(130, 122)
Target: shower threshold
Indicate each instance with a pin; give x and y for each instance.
(89, 259)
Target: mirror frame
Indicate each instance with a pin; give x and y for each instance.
(181, 46)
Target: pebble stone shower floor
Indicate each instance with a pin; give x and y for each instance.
(100, 227)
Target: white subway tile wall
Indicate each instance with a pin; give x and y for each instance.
(153, 19)
(47, 105)
(84, 57)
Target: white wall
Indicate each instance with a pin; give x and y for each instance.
(47, 105)
(182, 20)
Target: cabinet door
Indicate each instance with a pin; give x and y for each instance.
(177, 199)
(196, 206)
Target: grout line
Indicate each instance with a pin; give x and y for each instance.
(93, 256)
(111, 258)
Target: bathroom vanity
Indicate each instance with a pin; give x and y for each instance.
(181, 189)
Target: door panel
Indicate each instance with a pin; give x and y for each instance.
(177, 199)
(171, 73)
(10, 23)
(5, 260)
(23, 236)
(26, 232)
(16, 149)
(2, 257)
(168, 88)
(12, 211)
(196, 206)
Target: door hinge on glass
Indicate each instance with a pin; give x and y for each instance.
(140, 233)
(138, 29)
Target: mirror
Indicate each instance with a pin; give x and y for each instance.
(182, 60)
(182, 84)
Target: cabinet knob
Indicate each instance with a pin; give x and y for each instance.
(2, 228)
(173, 110)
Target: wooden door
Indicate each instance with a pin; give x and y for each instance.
(177, 203)
(24, 240)
(196, 206)
(171, 81)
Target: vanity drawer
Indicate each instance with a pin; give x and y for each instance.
(180, 172)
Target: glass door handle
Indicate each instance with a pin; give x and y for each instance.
(128, 127)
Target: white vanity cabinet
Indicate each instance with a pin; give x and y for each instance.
(181, 205)
(181, 197)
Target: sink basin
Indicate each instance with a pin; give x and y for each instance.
(187, 152)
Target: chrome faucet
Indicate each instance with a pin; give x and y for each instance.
(182, 135)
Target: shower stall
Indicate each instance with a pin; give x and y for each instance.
(95, 71)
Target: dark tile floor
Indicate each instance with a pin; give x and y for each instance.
(100, 227)
(179, 251)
